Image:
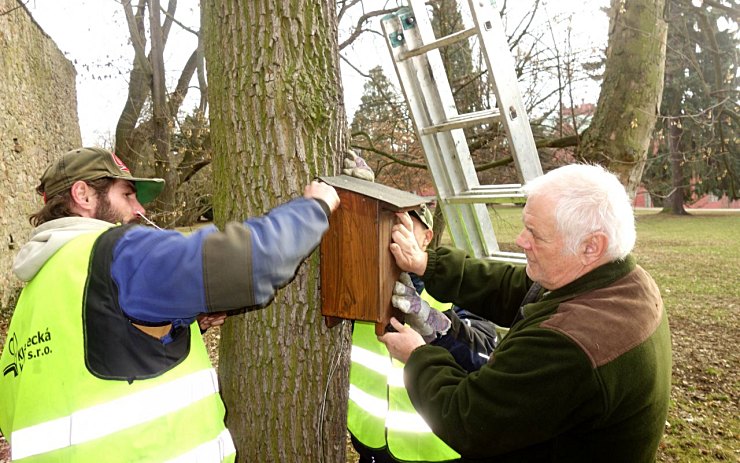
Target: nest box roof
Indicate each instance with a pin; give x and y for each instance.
(395, 200)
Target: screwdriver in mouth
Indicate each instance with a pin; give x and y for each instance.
(147, 220)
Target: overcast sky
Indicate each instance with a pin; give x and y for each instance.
(94, 36)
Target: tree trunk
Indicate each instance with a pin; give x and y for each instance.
(143, 139)
(138, 90)
(277, 121)
(164, 165)
(675, 199)
(629, 102)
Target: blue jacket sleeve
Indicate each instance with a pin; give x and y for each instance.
(161, 275)
(470, 339)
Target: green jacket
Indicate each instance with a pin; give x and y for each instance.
(583, 377)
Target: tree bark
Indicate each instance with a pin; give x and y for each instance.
(629, 102)
(138, 87)
(277, 121)
(164, 165)
(144, 136)
(675, 199)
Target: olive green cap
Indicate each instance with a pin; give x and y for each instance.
(93, 164)
(424, 215)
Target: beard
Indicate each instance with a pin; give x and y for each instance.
(105, 211)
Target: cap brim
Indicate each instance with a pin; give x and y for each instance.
(418, 217)
(147, 189)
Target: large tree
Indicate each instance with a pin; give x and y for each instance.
(697, 135)
(276, 122)
(630, 97)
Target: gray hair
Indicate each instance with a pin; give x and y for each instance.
(588, 198)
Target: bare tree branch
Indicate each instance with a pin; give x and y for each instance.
(181, 90)
(734, 13)
(514, 42)
(343, 58)
(416, 165)
(359, 26)
(171, 16)
(136, 34)
(564, 142)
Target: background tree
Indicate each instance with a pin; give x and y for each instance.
(150, 115)
(696, 140)
(277, 121)
(630, 97)
(385, 136)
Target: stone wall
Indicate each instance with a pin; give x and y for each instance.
(38, 122)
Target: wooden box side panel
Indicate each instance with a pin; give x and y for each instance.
(349, 260)
(389, 271)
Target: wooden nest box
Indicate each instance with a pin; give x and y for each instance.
(358, 270)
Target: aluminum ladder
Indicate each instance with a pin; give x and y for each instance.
(420, 70)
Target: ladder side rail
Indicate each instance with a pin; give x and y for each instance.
(407, 71)
(441, 104)
(393, 25)
(514, 115)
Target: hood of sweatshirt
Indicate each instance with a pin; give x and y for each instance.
(47, 238)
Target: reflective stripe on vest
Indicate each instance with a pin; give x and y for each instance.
(216, 450)
(111, 417)
(378, 406)
(380, 413)
(368, 403)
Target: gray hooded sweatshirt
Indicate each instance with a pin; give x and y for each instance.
(48, 238)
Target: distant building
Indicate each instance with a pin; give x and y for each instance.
(642, 198)
(713, 202)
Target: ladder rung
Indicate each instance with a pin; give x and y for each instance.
(443, 42)
(498, 186)
(502, 199)
(511, 257)
(463, 120)
(511, 193)
(511, 188)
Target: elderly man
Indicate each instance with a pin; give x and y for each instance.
(584, 372)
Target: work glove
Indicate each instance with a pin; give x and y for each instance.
(355, 166)
(426, 321)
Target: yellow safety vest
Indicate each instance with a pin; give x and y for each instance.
(53, 409)
(380, 414)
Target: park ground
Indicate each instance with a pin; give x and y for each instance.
(696, 262)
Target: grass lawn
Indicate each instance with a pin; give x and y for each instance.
(696, 262)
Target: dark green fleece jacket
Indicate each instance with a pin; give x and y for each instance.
(583, 377)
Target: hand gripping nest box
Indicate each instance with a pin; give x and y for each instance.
(358, 270)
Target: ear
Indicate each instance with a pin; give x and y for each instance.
(428, 235)
(593, 248)
(82, 198)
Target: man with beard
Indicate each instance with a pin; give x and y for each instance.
(103, 358)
